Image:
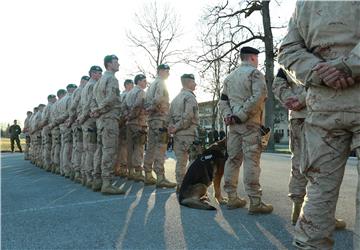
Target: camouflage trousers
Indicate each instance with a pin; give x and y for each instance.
(89, 147)
(109, 131)
(243, 145)
(182, 145)
(122, 149)
(329, 136)
(46, 143)
(136, 137)
(156, 148)
(98, 151)
(27, 147)
(55, 146)
(357, 219)
(36, 145)
(297, 183)
(77, 147)
(66, 150)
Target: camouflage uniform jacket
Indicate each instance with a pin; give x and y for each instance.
(284, 87)
(87, 98)
(106, 92)
(324, 32)
(62, 110)
(45, 119)
(157, 100)
(27, 125)
(244, 94)
(135, 107)
(184, 113)
(75, 109)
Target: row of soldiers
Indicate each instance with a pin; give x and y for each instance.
(92, 133)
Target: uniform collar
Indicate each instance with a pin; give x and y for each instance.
(109, 72)
(188, 90)
(245, 63)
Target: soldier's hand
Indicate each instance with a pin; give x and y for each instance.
(333, 77)
(94, 114)
(229, 120)
(293, 103)
(171, 130)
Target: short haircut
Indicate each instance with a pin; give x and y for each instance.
(245, 57)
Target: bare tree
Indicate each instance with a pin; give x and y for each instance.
(213, 68)
(157, 33)
(239, 31)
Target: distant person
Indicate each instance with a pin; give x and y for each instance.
(14, 132)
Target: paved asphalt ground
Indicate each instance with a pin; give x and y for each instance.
(40, 210)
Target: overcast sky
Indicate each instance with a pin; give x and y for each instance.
(46, 45)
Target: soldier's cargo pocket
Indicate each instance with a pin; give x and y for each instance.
(140, 137)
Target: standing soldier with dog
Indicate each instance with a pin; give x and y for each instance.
(183, 124)
(242, 105)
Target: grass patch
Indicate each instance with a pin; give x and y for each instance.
(5, 145)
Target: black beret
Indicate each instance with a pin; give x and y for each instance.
(86, 78)
(139, 77)
(109, 58)
(50, 97)
(163, 66)
(249, 50)
(96, 68)
(188, 76)
(61, 92)
(128, 81)
(71, 86)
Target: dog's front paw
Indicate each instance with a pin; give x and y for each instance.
(222, 200)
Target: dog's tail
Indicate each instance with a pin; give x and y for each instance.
(197, 204)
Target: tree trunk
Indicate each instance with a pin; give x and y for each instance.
(269, 75)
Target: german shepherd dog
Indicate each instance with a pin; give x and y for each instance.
(207, 168)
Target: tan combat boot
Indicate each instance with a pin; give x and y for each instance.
(97, 184)
(83, 180)
(259, 207)
(149, 179)
(139, 176)
(108, 188)
(296, 208)
(89, 182)
(131, 174)
(53, 168)
(117, 170)
(339, 224)
(123, 173)
(162, 182)
(72, 175)
(77, 177)
(235, 202)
